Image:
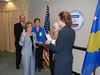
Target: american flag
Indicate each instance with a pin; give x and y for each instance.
(47, 20)
(47, 29)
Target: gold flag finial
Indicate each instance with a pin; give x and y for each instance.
(48, 3)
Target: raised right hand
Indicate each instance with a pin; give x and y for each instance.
(24, 33)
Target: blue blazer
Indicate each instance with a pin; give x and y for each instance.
(27, 44)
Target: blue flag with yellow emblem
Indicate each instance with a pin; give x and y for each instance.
(92, 57)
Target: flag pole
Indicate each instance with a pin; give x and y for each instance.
(47, 29)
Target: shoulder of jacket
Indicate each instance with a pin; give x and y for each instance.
(42, 28)
(17, 24)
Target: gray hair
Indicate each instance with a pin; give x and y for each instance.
(57, 26)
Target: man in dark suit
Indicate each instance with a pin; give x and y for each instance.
(18, 28)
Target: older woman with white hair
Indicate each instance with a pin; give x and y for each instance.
(55, 30)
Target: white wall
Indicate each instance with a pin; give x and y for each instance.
(37, 8)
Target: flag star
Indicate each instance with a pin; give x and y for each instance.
(95, 18)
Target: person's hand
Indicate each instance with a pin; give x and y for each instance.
(37, 47)
(24, 34)
(40, 42)
(47, 42)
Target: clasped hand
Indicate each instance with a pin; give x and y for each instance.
(47, 42)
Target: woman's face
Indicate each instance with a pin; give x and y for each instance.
(37, 23)
(29, 28)
(60, 22)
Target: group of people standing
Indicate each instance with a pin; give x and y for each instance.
(26, 37)
(60, 53)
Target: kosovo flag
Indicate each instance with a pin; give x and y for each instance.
(92, 57)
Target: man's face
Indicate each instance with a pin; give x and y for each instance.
(22, 19)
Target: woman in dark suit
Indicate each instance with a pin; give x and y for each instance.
(64, 44)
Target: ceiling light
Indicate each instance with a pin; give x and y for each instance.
(7, 0)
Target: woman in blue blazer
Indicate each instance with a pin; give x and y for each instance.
(28, 43)
(64, 44)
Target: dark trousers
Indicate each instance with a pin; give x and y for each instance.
(52, 62)
(38, 58)
(18, 55)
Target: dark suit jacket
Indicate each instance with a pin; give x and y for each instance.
(17, 32)
(63, 51)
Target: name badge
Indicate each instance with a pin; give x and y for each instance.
(40, 34)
